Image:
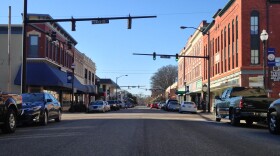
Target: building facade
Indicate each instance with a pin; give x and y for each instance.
(50, 62)
(237, 55)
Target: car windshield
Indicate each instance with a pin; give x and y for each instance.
(249, 92)
(32, 97)
(174, 103)
(97, 103)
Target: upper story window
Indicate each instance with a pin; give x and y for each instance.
(254, 23)
(33, 46)
(255, 38)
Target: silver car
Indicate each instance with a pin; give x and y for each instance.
(98, 106)
(173, 106)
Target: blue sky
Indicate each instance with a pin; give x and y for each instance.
(111, 45)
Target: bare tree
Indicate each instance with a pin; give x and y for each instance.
(163, 78)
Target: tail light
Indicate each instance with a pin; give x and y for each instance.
(241, 103)
(194, 106)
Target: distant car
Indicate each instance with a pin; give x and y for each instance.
(113, 104)
(188, 107)
(165, 106)
(121, 104)
(173, 106)
(154, 105)
(40, 108)
(160, 105)
(98, 106)
(273, 117)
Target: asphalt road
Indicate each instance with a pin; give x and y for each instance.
(139, 132)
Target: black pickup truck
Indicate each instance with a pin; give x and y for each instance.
(10, 109)
(241, 103)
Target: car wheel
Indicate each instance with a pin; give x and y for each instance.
(44, 119)
(10, 122)
(233, 119)
(273, 123)
(58, 119)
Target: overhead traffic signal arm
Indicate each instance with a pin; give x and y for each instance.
(74, 20)
(168, 56)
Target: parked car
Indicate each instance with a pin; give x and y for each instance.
(173, 106)
(273, 117)
(129, 104)
(40, 108)
(242, 103)
(161, 104)
(113, 105)
(99, 106)
(188, 106)
(121, 104)
(165, 106)
(154, 105)
(10, 109)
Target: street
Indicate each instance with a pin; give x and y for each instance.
(139, 131)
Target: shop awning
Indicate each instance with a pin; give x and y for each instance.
(91, 89)
(181, 92)
(43, 74)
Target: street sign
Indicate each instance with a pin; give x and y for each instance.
(165, 56)
(271, 57)
(101, 21)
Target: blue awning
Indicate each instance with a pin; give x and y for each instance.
(91, 89)
(43, 74)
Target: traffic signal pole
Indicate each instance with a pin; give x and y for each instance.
(26, 21)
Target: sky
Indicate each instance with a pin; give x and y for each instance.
(111, 46)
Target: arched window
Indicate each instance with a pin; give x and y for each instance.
(255, 52)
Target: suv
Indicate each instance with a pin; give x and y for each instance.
(10, 109)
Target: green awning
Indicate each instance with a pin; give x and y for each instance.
(181, 92)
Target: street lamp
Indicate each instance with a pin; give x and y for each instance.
(117, 85)
(185, 95)
(209, 63)
(264, 37)
(204, 90)
(73, 75)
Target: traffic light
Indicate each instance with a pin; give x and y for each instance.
(177, 57)
(108, 92)
(129, 22)
(154, 55)
(53, 36)
(73, 22)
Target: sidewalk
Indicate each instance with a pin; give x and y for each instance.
(206, 115)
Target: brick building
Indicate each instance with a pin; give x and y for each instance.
(48, 62)
(236, 52)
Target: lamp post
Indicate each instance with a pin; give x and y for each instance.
(209, 63)
(264, 37)
(204, 89)
(73, 76)
(117, 85)
(185, 95)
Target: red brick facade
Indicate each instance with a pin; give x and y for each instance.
(236, 51)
